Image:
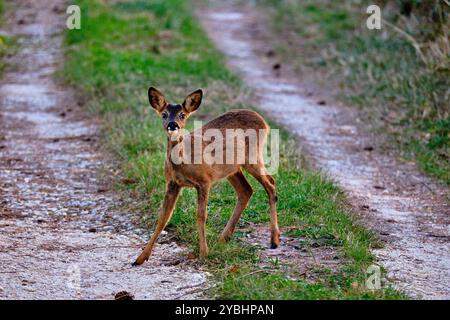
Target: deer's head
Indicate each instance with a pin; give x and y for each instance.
(174, 116)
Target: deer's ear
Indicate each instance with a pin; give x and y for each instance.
(156, 99)
(193, 101)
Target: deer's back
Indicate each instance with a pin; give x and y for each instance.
(238, 119)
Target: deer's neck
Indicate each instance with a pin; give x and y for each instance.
(171, 144)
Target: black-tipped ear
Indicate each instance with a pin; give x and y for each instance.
(156, 99)
(193, 101)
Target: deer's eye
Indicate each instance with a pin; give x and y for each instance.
(164, 115)
(182, 115)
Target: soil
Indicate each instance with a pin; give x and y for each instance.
(296, 257)
(409, 211)
(63, 234)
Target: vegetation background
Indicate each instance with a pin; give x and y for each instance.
(399, 75)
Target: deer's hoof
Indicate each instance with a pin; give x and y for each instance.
(224, 239)
(273, 245)
(203, 255)
(138, 262)
(134, 264)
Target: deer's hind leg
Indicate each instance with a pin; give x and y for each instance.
(260, 173)
(244, 192)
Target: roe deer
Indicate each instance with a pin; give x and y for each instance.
(202, 176)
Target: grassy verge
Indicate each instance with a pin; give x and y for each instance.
(6, 44)
(127, 46)
(378, 71)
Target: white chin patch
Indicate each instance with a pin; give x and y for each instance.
(172, 132)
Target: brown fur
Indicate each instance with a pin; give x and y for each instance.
(203, 176)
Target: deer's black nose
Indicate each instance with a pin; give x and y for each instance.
(172, 126)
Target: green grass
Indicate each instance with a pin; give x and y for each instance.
(124, 48)
(377, 71)
(7, 44)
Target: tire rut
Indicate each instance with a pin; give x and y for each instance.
(62, 235)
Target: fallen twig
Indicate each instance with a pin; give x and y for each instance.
(410, 39)
(257, 271)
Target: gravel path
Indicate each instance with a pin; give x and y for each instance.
(60, 234)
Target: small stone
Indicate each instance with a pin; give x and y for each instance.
(123, 295)
(270, 53)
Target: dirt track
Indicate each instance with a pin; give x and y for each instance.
(60, 234)
(409, 211)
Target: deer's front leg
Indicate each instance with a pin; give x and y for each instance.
(202, 202)
(170, 199)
